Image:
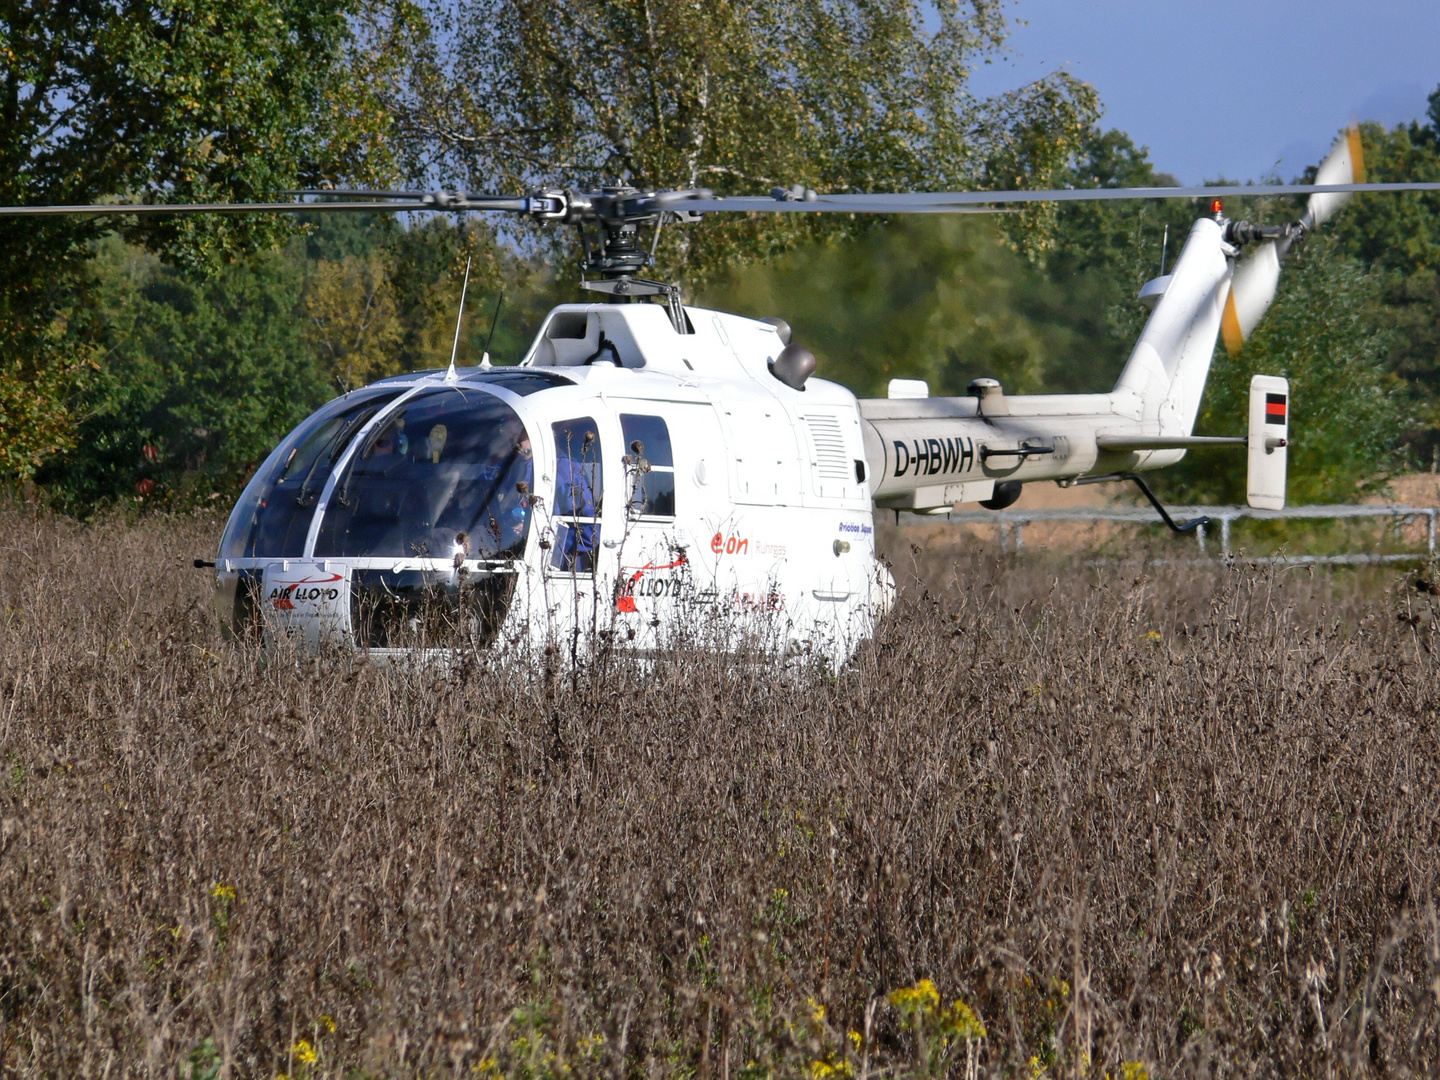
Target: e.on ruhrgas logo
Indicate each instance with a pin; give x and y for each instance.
(286, 595)
(721, 544)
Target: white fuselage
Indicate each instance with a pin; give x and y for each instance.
(756, 514)
(770, 531)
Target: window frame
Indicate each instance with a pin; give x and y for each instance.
(567, 523)
(635, 478)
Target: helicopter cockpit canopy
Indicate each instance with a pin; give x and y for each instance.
(447, 462)
(446, 469)
(272, 518)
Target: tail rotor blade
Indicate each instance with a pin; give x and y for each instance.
(1345, 165)
(1251, 291)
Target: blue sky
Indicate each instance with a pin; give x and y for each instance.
(1228, 87)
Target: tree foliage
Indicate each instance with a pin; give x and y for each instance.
(169, 100)
(738, 96)
(198, 375)
(1399, 236)
(170, 354)
(940, 299)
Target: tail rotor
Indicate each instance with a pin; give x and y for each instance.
(1252, 289)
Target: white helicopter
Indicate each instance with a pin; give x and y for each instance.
(649, 467)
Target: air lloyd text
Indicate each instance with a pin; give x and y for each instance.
(297, 594)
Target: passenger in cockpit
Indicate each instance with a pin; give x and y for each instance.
(435, 442)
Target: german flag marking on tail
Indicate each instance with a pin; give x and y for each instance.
(1275, 408)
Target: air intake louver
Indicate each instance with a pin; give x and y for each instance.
(829, 443)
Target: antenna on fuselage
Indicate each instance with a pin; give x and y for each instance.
(459, 315)
(494, 319)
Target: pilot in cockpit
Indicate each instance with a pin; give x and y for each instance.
(391, 441)
(510, 503)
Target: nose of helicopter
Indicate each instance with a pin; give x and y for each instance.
(306, 601)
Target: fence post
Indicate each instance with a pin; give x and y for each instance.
(1200, 537)
(1430, 530)
(1225, 536)
(1019, 536)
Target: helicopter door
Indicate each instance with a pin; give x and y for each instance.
(654, 563)
(574, 563)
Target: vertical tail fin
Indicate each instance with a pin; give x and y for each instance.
(1165, 375)
(1269, 437)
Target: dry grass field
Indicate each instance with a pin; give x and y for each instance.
(1174, 820)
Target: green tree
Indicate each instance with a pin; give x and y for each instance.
(941, 298)
(381, 298)
(738, 96)
(1104, 252)
(937, 298)
(1399, 235)
(199, 377)
(169, 100)
(199, 374)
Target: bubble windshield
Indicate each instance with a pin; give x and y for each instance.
(272, 518)
(448, 475)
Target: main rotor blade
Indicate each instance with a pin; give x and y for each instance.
(645, 204)
(950, 201)
(487, 202)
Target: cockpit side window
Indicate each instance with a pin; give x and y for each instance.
(579, 488)
(649, 466)
(272, 518)
(448, 475)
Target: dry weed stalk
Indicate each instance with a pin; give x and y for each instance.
(1173, 821)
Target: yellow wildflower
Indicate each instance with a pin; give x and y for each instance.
(960, 1020)
(329, 1023)
(1134, 1070)
(856, 1040)
(817, 1011)
(221, 891)
(920, 998)
(305, 1052)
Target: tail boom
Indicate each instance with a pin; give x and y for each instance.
(930, 453)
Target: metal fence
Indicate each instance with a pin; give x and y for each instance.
(1011, 524)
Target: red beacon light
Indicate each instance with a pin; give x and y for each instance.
(1217, 207)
